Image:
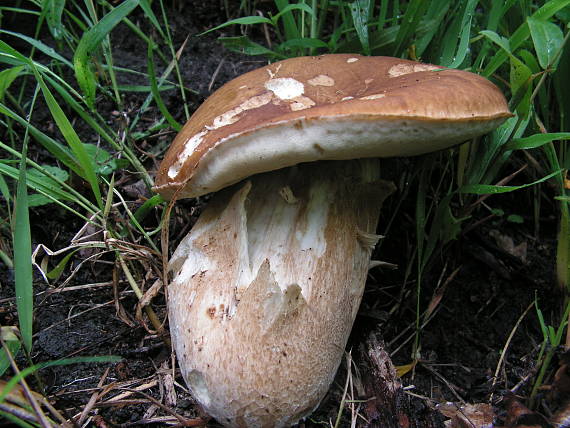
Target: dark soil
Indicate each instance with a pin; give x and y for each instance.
(483, 286)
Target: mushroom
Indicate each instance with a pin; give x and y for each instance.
(268, 282)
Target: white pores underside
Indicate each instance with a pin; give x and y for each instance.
(266, 288)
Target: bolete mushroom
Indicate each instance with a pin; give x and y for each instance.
(268, 282)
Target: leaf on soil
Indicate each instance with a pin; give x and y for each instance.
(478, 415)
(507, 244)
(520, 416)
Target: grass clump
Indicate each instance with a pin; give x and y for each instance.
(65, 66)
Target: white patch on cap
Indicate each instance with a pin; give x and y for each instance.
(231, 116)
(285, 88)
(400, 69)
(189, 148)
(373, 97)
(321, 80)
(351, 60)
(368, 81)
(347, 98)
(301, 103)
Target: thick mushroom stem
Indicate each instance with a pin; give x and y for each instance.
(266, 288)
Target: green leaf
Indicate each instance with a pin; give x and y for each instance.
(521, 86)
(289, 24)
(536, 140)
(242, 44)
(11, 340)
(434, 15)
(305, 42)
(523, 32)
(145, 6)
(48, 185)
(156, 92)
(563, 247)
(39, 45)
(56, 272)
(62, 153)
(141, 213)
(289, 8)
(54, 171)
(72, 139)
(66, 361)
(547, 38)
(7, 77)
(53, 10)
(456, 39)
(541, 322)
(88, 45)
(498, 212)
(22, 244)
(360, 10)
(552, 336)
(246, 20)
(530, 60)
(4, 190)
(514, 218)
(105, 164)
(502, 42)
(489, 189)
(44, 185)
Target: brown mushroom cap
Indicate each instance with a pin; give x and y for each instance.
(329, 107)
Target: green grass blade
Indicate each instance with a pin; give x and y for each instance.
(145, 6)
(88, 45)
(72, 139)
(7, 77)
(5, 190)
(434, 14)
(246, 20)
(562, 88)
(53, 11)
(502, 42)
(39, 45)
(409, 23)
(289, 24)
(359, 11)
(16, 421)
(536, 140)
(44, 185)
(242, 44)
(489, 189)
(54, 195)
(496, 13)
(456, 39)
(563, 248)
(291, 7)
(61, 152)
(100, 128)
(22, 244)
(141, 213)
(521, 86)
(12, 341)
(12, 382)
(56, 272)
(303, 43)
(483, 154)
(156, 92)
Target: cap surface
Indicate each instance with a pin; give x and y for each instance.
(329, 107)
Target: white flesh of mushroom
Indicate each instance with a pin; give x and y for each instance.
(266, 288)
